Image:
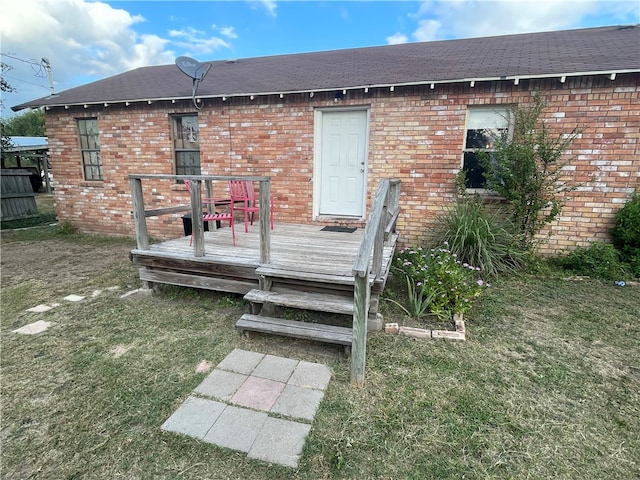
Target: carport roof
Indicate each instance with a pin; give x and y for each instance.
(604, 50)
(27, 144)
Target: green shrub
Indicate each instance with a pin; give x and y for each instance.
(67, 228)
(526, 169)
(599, 260)
(37, 221)
(438, 275)
(633, 263)
(626, 234)
(480, 235)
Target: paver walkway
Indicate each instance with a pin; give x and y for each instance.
(259, 404)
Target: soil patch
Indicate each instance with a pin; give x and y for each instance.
(58, 262)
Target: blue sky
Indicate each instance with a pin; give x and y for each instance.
(87, 40)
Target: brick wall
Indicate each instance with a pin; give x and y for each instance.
(416, 134)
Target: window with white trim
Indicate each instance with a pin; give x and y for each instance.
(186, 144)
(484, 126)
(90, 148)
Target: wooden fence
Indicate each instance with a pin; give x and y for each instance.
(18, 199)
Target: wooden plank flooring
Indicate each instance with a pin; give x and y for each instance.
(297, 247)
(306, 250)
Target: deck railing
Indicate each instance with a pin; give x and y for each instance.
(381, 223)
(140, 214)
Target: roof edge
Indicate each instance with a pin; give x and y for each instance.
(432, 83)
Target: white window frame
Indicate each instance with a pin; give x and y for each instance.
(494, 119)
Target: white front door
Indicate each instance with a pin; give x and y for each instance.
(341, 162)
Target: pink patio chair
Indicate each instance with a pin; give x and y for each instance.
(243, 197)
(214, 217)
(207, 201)
(219, 217)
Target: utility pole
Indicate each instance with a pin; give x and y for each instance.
(47, 65)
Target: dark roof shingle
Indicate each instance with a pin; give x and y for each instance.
(570, 52)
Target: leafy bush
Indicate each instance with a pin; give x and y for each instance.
(480, 235)
(599, 260)
(526, 169)
(626, 234)
(437, 274)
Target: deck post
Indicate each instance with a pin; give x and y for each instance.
(209, 190)
(139, 218)
(378, 247)
(265, 221)
(197, 229)
(361, 297)
(371, 246)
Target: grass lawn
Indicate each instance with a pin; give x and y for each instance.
(547, 384)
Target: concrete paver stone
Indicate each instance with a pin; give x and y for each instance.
(280, 441)
(236, 428)
(33, 328)
(39, 308)
(263, 385)
(74, 298)
(275, 368)
(298, 402)
(194, 417)
(311, 375)
(241, 361)
(221, 384)
(258, 393)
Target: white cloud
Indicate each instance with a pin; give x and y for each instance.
(440, 19)
(80, 39)
(150, 50)
(84, 40)
(268, 5)
(396, 39)
(188, 33)
(427, 30)
(228, 32)
(194, 42)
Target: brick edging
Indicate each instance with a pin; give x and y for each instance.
(459, 333)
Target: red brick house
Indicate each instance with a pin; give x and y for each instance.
(326, 126)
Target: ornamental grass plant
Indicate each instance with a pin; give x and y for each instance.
(481, 235)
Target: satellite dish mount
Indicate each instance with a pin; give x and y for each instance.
(196, 70)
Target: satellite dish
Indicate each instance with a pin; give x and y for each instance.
(194, 69)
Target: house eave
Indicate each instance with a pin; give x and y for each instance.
(311, 92)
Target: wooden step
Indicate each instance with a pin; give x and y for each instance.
(272, 272)
(291, 328)
(305, 300)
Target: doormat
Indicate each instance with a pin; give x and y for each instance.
(338, 229)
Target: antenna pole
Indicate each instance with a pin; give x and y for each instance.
(193, 93)
(47, 65)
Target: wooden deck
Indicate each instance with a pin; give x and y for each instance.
(300, 266)
(303, 257)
